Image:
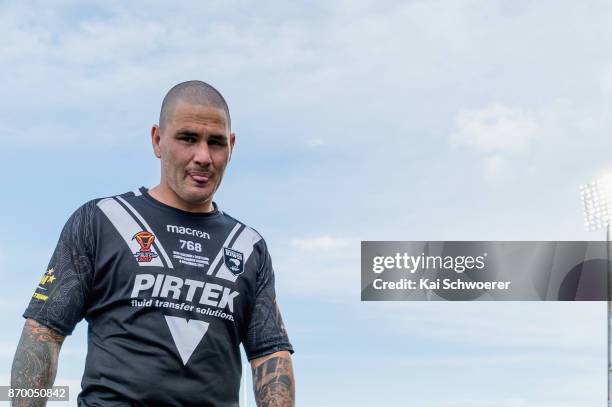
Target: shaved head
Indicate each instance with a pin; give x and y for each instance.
(192, 92)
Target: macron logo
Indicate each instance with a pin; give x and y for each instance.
(181, 230)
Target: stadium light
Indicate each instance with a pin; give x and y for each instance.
(596, 201)
(596, 197)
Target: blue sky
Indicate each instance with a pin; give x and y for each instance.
(355, 120)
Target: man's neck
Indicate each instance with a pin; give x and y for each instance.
(167, 196)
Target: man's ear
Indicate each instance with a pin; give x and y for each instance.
(232, 142)
(155, 138)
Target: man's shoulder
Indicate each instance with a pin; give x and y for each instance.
(91, 207)
(124, 195)
(238, 223)
(123, 198)
(243, 231)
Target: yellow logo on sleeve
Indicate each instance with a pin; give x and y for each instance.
(40, 296)
(48, 277)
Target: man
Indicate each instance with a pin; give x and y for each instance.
(169, 284)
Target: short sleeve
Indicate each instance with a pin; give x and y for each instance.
(266, 331)
(59, 301)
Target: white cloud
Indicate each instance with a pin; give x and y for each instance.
(339, 57)
(514, 142)
(324, 267)
(320, 243)
(549, 326)
(320, 280)
(495, 129)
(500, 135)
(496, 166)
(511, 359)
(315, 142)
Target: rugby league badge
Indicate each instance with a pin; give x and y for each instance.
(233, 261)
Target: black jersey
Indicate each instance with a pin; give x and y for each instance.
(169, 295)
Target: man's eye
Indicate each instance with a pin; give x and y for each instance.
(216, 142)
(189, 139)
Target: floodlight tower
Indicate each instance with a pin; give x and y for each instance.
(596, 197)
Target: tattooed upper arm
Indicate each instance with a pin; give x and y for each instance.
(273, 380)
(35, 362)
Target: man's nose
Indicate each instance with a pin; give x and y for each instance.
(202, 155)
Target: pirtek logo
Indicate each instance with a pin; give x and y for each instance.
(166, 286)
(187, 231)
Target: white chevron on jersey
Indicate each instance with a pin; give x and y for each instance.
(146, 225)
(244, 244)
(127, 228)
(225, 244)
(186, 334)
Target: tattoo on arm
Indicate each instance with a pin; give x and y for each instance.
(273, 383)
(35, 362)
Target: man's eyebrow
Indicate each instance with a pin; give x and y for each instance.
(186, 132)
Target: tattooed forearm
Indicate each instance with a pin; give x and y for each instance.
(35, 362)
(273, 382)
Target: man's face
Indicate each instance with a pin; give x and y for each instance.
(194, 148)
